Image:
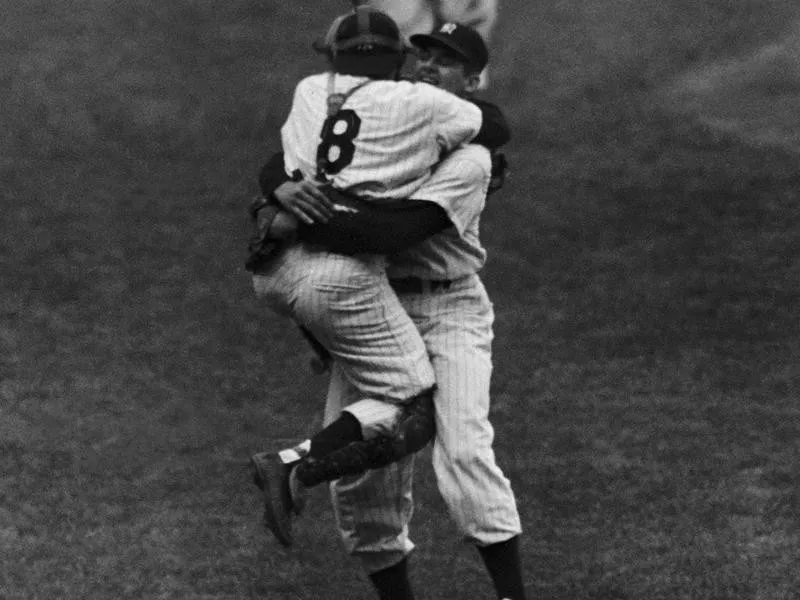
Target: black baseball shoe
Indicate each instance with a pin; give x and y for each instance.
(282, 493)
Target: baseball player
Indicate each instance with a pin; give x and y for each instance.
(356, 129)
(438, 284)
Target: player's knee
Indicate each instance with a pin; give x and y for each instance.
(418, 426)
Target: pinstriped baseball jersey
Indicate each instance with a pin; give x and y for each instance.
(459, 187)
(384, 141)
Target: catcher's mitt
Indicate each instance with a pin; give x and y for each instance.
(261, 248)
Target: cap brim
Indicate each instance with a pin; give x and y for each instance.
(425, 40)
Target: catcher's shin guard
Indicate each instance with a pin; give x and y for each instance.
(417, 426)
(416, 429)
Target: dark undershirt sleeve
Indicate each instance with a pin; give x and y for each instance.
(494, 131)
(378, 228)
(385, 228)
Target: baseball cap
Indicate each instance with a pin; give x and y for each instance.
(361, 30)
(463, 40)
(365, 41)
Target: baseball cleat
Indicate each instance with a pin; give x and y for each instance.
(273, 478)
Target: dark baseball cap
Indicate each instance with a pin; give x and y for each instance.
(364, 42)
(462, 40)
(362, 30)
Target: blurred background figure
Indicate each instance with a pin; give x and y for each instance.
(422, 16)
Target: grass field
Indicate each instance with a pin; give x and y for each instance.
(644, 268)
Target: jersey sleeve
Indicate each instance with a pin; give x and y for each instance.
(295, 130)
(459, 185)
(456, 121)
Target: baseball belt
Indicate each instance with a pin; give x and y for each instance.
(416, 285)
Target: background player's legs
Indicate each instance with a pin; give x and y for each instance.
(411, 16)
(481, 15)
(457, 328)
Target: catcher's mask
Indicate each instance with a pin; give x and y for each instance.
(364, 42)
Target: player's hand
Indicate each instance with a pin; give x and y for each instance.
(305, 201)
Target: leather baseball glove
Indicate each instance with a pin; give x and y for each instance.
(261, 247)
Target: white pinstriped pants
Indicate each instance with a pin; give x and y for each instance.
(373, 510)
(349, 306)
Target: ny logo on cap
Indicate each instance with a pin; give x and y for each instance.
(448, 28)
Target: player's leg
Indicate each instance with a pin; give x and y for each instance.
(351, 310)
(373, 511)
(285, 477)
(346, 303)
(457, 327)
(372, 514)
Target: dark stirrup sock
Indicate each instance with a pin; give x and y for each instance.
(337, 435)
(392, 583)
(504, 566)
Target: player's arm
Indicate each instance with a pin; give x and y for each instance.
(372, 228)
(457, 121)
(494, 131)
(385, 228)
(298, 197)
(452, 197)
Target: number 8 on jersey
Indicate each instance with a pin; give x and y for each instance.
(337, 147)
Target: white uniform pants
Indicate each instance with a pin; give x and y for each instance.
(346, 302)
(373, 510)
